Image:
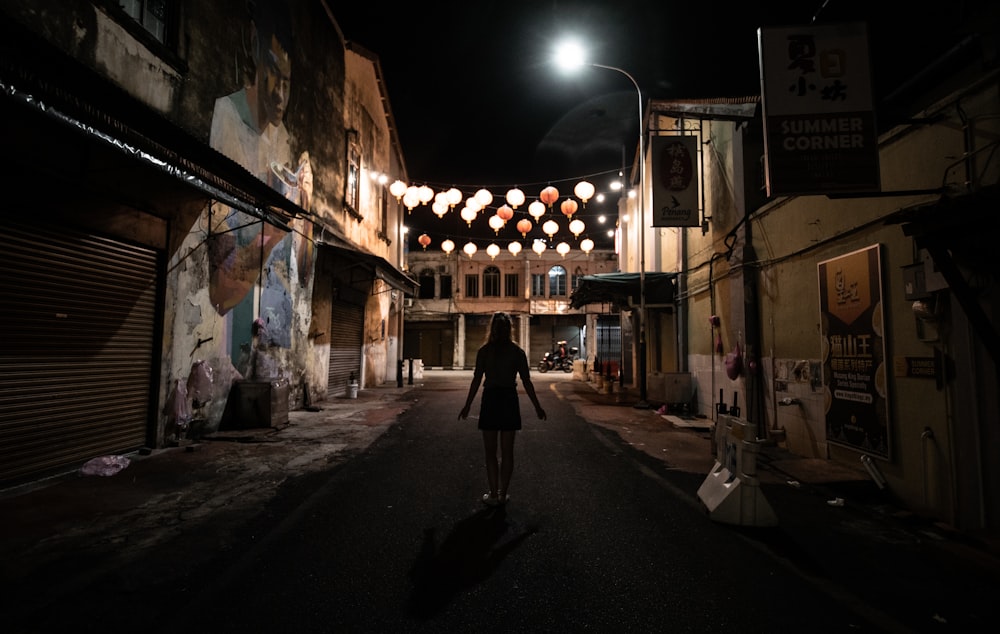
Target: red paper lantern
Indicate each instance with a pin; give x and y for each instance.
(424, 240)
(569, 207)
(549, 195)
(505, 213)
(524, 226)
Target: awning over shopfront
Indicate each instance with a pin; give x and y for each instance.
(57, 99)
(623, 289)
(378, 267)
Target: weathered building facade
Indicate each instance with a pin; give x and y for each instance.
(858, 327)
(200, 206)
(449, 319)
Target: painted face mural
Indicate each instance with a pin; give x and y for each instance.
(248, 126)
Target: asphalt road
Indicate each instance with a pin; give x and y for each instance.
(592, 540)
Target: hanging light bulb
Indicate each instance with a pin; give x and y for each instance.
(454, 196)
(440, 207)
(397, 189)
(470, 249)
(505, 213)
(536, 209)
(493, 251)
(562, 249)
(551, 227)
(584, 191)
(538, 246)
(424, 240)
(515, 197)
(524, 226)
(549, 195)
(496, 223)
(514, 247)
(586, 245)
(485, 197)
(448, 246)
(468, 215)
(568, 207)
(577, 227)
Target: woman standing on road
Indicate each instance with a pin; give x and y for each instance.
(502, 361)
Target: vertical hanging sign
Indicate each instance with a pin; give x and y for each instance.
(853, 348)
(675, 181)
(819, 124)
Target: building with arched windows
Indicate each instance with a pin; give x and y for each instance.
(449, 318)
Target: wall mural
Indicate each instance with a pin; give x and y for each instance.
(248, 127)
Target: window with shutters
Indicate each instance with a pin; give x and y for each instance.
(557, 281)
(512, 286)
(491, 282)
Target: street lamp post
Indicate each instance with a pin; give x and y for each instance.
(569, 55)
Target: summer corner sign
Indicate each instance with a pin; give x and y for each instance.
(819, 124)
(853, 345)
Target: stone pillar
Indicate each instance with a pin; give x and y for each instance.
(459, 351)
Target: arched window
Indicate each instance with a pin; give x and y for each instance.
(426, 284)
(557, 281)
(491, 282)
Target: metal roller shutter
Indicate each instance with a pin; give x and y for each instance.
(346, 336)
(78, 323)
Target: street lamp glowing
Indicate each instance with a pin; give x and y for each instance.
(570, 55)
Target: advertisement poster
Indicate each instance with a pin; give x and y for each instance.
(819, 122)
(853, 349)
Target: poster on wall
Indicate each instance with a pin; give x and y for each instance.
(853, 349)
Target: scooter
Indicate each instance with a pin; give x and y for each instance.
(552, 361)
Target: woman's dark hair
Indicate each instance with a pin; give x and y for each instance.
(500, 329)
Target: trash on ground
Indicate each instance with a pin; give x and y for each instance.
(836, 502)
(795, 483)
(104, 465)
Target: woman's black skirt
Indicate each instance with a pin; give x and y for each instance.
(500, 409)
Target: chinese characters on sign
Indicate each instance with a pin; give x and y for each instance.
(853, 344)
(675, 184)
(819, 126)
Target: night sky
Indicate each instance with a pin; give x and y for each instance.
(479, 103)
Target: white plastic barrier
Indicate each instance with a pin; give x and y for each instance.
(731, 492)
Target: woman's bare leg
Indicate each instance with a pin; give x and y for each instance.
(490, 446)
(506, 461)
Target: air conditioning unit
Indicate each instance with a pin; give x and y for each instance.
(408, 302)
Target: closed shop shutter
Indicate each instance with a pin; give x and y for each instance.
(476, 329)
(346, 335)
(78, 323)
(547, 332)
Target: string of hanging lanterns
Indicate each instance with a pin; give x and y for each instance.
(445, 201)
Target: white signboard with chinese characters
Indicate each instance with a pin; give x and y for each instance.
(853, 346)
(675, 181)
(819, 125)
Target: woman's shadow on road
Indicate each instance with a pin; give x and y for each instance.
(468, 555)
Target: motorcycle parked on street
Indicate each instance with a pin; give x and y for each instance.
(555, 361)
